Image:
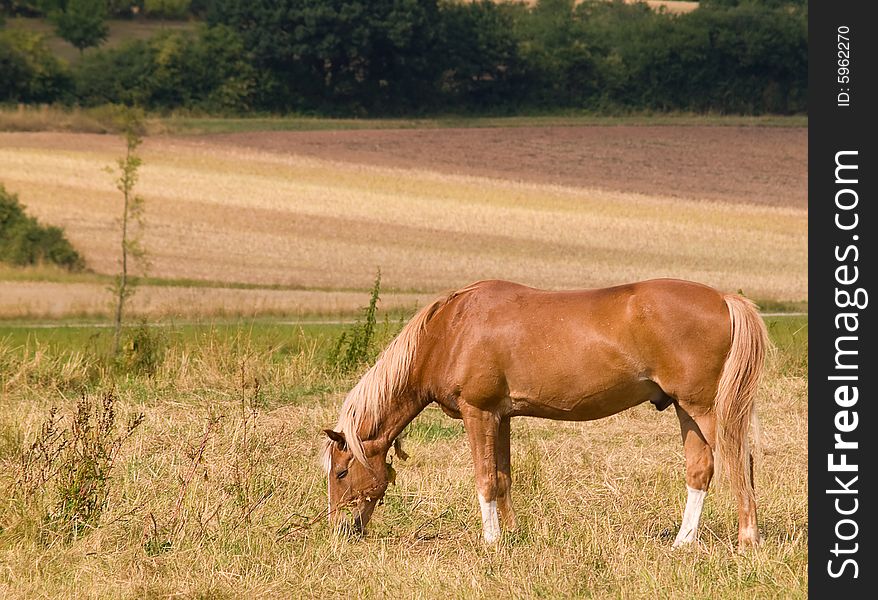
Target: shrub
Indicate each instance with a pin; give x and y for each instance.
(356, 346)
(339, 55)
(118, 76)
(166, 9)
(206, 70)
(350, 57)
(558, 51)
(143, 350)
(29, 72)
(23, 241)
(747, 59)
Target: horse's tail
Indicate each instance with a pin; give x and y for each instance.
(736, 396)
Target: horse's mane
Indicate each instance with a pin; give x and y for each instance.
(369, 400)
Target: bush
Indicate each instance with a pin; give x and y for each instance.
(118, 76)
(82, 23)
(23, 241)
(481, 62)
(743, 60)
(356, 346)
(206, 70)
(143, 350)
(29, 72)
(166, 9)
(558, 50)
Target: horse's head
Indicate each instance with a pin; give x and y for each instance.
(354, 485)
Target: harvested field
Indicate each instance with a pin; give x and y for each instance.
(749, 165)
(39, 299)
(672, 6)
(551, 207)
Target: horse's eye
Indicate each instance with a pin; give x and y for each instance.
(341, 474)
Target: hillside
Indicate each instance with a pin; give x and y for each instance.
(318, 212)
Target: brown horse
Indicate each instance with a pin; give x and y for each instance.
(496, 350)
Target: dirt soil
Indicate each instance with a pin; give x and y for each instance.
(752, 165)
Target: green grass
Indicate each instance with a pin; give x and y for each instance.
(202, 125)
(100, 120)
(282, 336)
(598, 503)
(789, 335)
(790, 338)
(777, 306)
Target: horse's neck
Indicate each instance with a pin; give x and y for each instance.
(399, 414)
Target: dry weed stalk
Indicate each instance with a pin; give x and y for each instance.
(69, 467)
(156, 540)
(250, 487)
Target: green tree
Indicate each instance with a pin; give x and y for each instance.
(29, 72)
(769, 4)
(343, 55)
(561, 63)
(132, 214)
(206, 70)
(481, 62)
(83, 23)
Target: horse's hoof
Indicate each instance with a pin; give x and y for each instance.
(687, 546)
(351, 530)
(747, 544)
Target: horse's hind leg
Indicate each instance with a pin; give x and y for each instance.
(504, 474)
(698, 440)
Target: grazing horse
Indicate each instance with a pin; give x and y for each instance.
(496, 350)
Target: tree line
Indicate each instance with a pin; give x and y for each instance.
(395, 57)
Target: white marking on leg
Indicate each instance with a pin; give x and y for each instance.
(691, 516)
(490, 520)
(751, 534)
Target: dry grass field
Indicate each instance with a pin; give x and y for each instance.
(217, 493)
(279, 210)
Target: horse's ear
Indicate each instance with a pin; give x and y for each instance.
(337, 437)
(397, 446)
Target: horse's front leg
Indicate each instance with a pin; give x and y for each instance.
(482, 429)
(504, 475)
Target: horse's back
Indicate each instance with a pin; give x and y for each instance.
(587, 353)
(668, 307)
